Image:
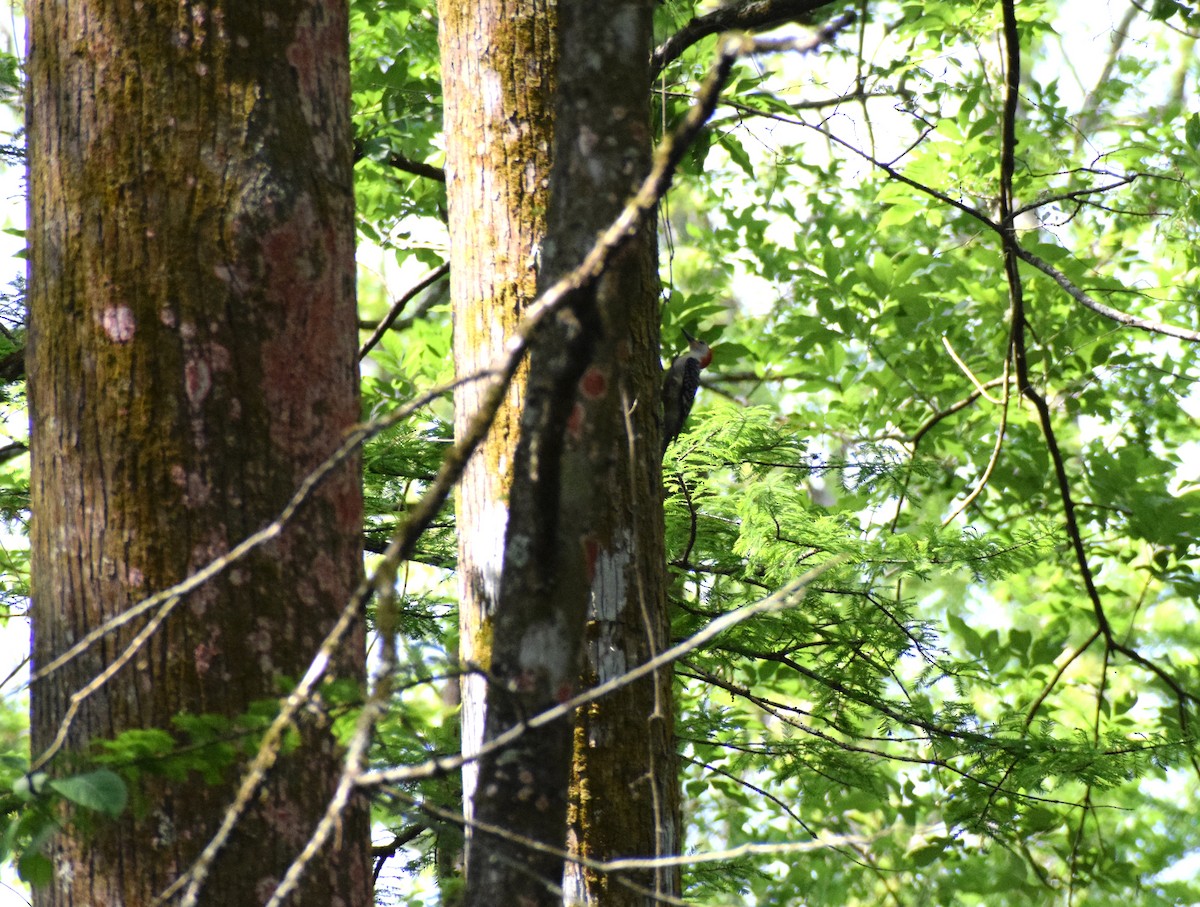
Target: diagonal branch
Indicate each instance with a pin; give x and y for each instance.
(1133, 321)
(398, 307)
(787, 597)
(748, 15)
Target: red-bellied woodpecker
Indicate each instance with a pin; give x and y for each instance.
(680, 385)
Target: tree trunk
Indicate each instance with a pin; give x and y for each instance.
(191, 359)
(624, 792)
(498, 60)
(585, 524)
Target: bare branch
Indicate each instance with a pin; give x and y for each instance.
(748, 15)
(417, 168)
(1145, 324)
(398, 307)
(789, 596)
(1076, 194)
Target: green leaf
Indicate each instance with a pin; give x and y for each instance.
(102, 791)
(35, 869)
(1191, 131)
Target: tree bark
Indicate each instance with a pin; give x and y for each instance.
(498, 61)
(624, 799)
(191, 358)
(584, 535)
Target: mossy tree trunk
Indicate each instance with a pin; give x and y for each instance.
(498, 81)
(191, 359)
(582, 586)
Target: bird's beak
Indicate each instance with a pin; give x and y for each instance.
(690, 338)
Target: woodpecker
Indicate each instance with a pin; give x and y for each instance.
(680, 385)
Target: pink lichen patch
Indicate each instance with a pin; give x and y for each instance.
(575, 420)
(308, 360)
(591, 554)
(118, 323)
(594, 383)
(136, 578)
(204, 655)
(286, 822)
(197, 381)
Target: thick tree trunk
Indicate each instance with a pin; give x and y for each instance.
(585, 524)
(191, 359)
(498, 66)
(624, 792)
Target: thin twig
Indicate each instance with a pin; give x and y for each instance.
(787, 597)
(966, 371)
(398, 307)
(994, 459)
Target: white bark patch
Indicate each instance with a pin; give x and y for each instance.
(491, 93)
(543, 652)
(488, 540)
(611, 596)
(474, 691)
(609, 581)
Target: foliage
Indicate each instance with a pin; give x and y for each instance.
(948, 702)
